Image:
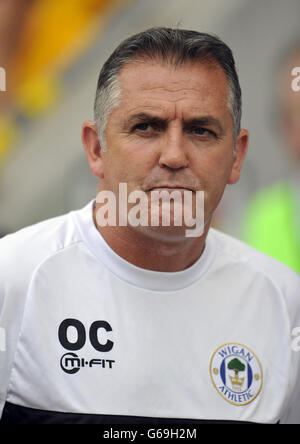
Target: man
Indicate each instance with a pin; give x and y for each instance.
(272, 219)
(140, 323)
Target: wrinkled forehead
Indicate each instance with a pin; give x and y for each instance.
(190, 84)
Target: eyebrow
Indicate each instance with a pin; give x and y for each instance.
(206, 120)
(144, 117)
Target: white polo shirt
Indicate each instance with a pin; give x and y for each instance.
(88, 337)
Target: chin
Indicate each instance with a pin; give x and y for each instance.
(169, 234)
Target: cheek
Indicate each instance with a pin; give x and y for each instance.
(214, 170)
(213, 173)
(127, 163)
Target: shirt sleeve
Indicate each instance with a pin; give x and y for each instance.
(21, 253)
(12, 301)
(291, 413)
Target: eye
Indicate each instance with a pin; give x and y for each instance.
(200, 131)
(142, 126)
(147, 129)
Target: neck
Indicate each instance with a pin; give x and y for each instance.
(152, 250)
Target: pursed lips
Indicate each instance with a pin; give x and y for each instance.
(172, 188)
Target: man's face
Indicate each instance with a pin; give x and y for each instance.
(173, 128)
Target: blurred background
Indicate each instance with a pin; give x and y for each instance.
(52, 52)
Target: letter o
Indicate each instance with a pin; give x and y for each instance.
(63, 338)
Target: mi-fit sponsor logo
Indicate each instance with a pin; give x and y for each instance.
(72, 335)
(72, 363)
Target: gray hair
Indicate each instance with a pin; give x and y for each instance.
(174, 46)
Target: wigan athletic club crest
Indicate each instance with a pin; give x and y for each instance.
(236, 373)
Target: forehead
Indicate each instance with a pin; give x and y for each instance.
(199, 86)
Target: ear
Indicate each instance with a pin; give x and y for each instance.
(90, 140)
(241, 151)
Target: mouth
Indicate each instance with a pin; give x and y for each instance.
(171, 188)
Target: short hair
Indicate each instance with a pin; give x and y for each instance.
(167, 45)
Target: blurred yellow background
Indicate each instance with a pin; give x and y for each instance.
(51, 35)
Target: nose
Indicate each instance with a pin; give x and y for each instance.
(173, 153)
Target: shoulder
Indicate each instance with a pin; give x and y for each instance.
(260, 262)
(259, 265)
(22, 251)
